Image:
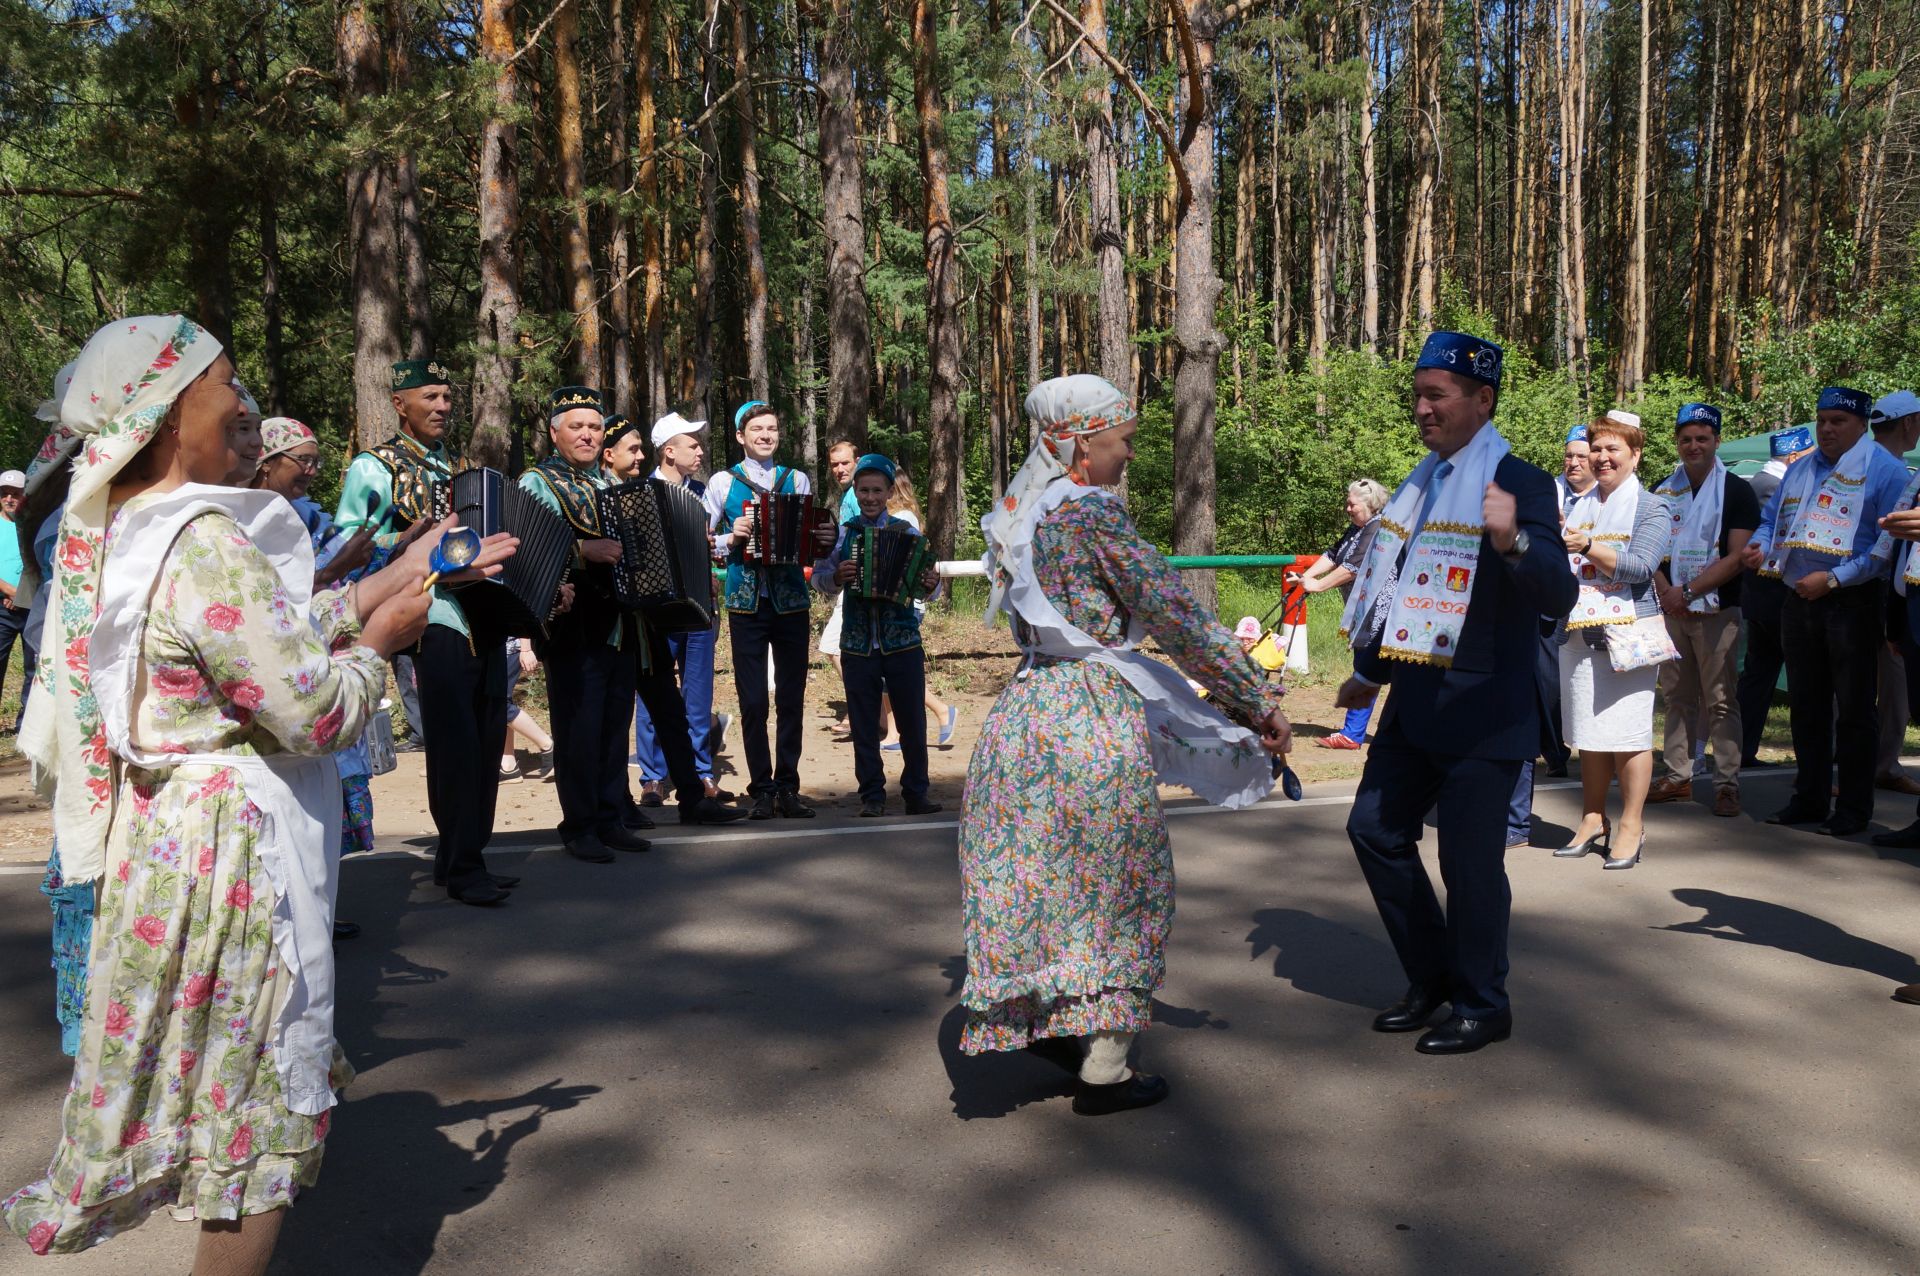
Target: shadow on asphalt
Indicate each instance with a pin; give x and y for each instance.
(1756, 921)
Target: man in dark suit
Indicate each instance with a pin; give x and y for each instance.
(1465, 713)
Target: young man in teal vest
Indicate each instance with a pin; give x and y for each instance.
(880, 653)
(767, 614)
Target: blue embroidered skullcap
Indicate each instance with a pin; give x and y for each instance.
(877, 463)
(1578, 434)
(1839, 398)
(1698, 414)
(1785, 443)
(1472, 357)
(747, 411)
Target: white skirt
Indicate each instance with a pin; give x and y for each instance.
(830, 636)
(1602, 710)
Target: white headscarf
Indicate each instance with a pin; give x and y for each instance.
(124, 382)
(1063, 410)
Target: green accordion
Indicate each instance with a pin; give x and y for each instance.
(889, 563)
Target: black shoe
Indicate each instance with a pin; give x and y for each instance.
(1794, 813)
(1907, 838)
(541, 768)
(635, 818)
(920, 806)
(345, 930)
(412, 744)
(1844, 826)
(1137, 1091)
(505, 881)
(789, 804)
(591, 849)
(870, 809)
(482, 895)
(1464, 1036)
(623, 839)
(1062, 1052)
(762, 808)
(708, 811)
(1411, 1012)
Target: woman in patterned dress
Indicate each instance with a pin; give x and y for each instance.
(1064, 857)
(186, 645)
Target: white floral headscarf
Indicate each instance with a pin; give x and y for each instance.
(1063, 411)
(62, 440)
(281, 434)
(124, 382)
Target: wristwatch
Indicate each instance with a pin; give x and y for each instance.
(1686, 592)
(1520, 543)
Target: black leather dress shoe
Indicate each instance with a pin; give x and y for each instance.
(1062, 1052)
(1907, 838)
(623, 839)
(1844, 826)
(762, 808)
(635, 818)
(1412, 1012)
(505, 881)
(482, 895)
(920, 806)
(591, 849)
(789, 805)
(1793, 813)
(874, 808)
(345, 930)
(1464, 1036)
(1136, 1091)
(412, 744)
(708, 811)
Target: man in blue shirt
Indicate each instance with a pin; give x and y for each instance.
(1817, 533)
(13, 611)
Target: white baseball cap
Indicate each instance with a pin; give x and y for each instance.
(672, 425)
(1891, 407)
(14, 479)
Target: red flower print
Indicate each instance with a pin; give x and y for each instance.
(218, 782)
(96, 753)
(167, 357)
(77, 653)
(73, 1197)
(177, 683)
(198, 989)
(206, 860)
(40, 1237)
(324, 1124)
(239, 895)
(187, 1059)
(99, 1096)
(219, 1095)
(150, 930)
(126, 866)
(222, 617)
(76, 555)
(329, 726)
(246, 693)
(134, 1134)
(98, 786)
(241, 1146)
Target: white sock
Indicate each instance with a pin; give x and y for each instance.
(1106, 1057)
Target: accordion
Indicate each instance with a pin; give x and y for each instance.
(519, 601)
(888, 564)
(783, 526)
(665, 570)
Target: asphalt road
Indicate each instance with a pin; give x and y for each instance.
(737, 1055)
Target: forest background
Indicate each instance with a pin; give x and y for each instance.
(889, 217)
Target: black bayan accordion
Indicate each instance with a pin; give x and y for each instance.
(889, 564)
(520, 600)
(782, 531)
(665, 570)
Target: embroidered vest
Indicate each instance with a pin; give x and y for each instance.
(594, 609)
(876, 628)
(786, 587)
(576, 491)
(416, 473)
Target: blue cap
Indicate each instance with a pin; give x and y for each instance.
(1839, 398)
(1698, 414)
(877, 463)
(747, 411)
(1785, 443)
(1471, 357)
(1578, 434)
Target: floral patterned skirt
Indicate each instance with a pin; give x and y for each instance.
(175, 1101)
(72, 904)
(356, 822)
(1065, 866)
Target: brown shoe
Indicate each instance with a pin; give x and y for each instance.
(1898, 782)
(1671, 789)
(1726, 802)
(1909, 993)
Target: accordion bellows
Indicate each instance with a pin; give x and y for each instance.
(782, 529)
(665, 569)
(520, 600)
(889, 563)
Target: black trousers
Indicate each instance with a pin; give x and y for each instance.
(659, 690)
(902, 676)
(1463, 949)
(1554, 747)
(1761, 602)
(590, 695)
(463, 709)
(758, 635)
(1832, 651)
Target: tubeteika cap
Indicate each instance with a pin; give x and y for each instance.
(411, 374)
(569, 397)
(1697, 414)
(1840, 398)
(1789, 442)
(1471, 357)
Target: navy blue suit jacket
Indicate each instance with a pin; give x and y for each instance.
(1490, 703)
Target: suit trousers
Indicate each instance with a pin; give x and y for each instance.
(589, 684)
(406, 678)
(693, 652)
(1699, 688)
(1462, 950)
(1893, 711)
(758, 636)
(1832, 648)
(463, 710)
(650, 658)
(1762, 600)
(901, 675)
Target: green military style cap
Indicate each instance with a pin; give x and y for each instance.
(411, 374)
(569, 397)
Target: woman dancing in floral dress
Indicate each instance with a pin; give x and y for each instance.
(1064, 857)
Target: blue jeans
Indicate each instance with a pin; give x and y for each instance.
(693, 653)
(1356, 725)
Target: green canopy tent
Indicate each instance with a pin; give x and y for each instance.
(1745, 456)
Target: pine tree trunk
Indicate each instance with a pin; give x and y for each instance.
(849, 336)
(944, 371)
(372, 241)
(748, 141)
(620, 246)
(572, 158)
(1197, 340)
(1369, 195)
(413, 235)
(706, 259)
(499, 187)
(653, 288)
(272, 306)
(1633, 360)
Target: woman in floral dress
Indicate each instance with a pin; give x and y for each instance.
(187, 645)
(1064, 858)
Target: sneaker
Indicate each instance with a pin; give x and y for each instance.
(891, 746)
(542, 768)
(1336, 741)
(510, 773)
(946, 731)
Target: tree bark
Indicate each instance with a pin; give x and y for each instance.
(944, 370)
(499, 189)
(372, 240)
(620, 237)
(1633, 360)
(849, 339)
(1103, 182)
(706, 264)
(653, 291)
(1197, 340)
(1369, 195)
(756, 317)
(406, 179)
(588, 361)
